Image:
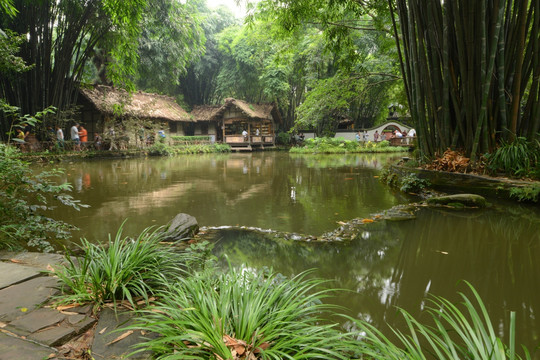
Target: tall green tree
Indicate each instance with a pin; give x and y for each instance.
(172, 38)
(60, 38)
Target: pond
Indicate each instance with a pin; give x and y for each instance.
(389, 264)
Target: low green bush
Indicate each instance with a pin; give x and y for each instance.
(411, 183)
(256, 314)
(519, 158)
(25, 198)
(526, 193)
(121, 269)
(283, 138)
(191, 138)
(326, 145)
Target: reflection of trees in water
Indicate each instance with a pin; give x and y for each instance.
(495, 251)
(397, 264)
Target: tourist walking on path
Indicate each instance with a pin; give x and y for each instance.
(83, 134)
(75, 137)
(59, 137)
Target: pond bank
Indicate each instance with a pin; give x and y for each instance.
(31, 329)
(453, 182)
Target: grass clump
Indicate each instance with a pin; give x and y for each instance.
(327, 145)
(464, 332)
(519, 158)
(526, 193)
(121, 269)
(242, 314)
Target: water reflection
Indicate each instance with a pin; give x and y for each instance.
(304, 194)
(397, 264)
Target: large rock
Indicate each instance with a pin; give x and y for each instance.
(182, 227)
(469, 200)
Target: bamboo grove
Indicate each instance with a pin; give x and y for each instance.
(471, 71)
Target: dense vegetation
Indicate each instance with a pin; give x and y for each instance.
(203, 312)
(341, 146)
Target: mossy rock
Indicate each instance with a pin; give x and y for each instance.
(465, 200)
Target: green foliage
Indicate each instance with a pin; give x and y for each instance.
(330, 145)
(205, 315)
(171, 39)
(464, 332)
(190, 138)
(283, 138)
(10, 44)
(411, 183)
(526, 193)
(161, 149)
(518, 158)
(24, 198)
(121, 269)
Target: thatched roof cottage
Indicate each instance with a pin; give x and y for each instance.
(229, 121)
(103, 106)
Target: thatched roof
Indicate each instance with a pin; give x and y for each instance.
(139, 104)
(205, 112)
(252, 111)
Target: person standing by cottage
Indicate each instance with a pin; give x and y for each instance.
(245, 135)
(357, 136)
(376, 136)
(59, 138)
(75, 137)
(83, 134)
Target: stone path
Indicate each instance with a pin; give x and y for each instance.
(32, 330)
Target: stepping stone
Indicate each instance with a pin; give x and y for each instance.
(63, 332)
(11, 274)
(27, 295)
(104, 335)
(36, 320)
(15, 348)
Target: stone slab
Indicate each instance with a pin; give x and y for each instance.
(15, 348)
(36, 320)
(33, 259)
(104, 334)
(11, 274)
(29, 294)
(62, 333)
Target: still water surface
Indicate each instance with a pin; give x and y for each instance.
(390, 264)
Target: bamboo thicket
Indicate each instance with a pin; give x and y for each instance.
(471, 71)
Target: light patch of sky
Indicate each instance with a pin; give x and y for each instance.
(238, 10)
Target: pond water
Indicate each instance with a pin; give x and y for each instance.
(389, 264)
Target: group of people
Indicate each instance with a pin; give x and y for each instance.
(78, 134)
(363, 135)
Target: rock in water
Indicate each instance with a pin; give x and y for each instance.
(182, 227)
(469, 200)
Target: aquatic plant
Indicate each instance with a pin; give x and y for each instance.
(121, 269)
(243, 314)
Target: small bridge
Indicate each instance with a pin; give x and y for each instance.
(350, 134)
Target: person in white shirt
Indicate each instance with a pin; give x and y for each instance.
(75, 137)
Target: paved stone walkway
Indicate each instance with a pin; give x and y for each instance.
(32, 330)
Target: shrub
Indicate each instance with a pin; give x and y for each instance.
(25, 198)
(122, 269)
(283, 138)
(160, 149)
(518, 158)
(412, 184)
(526, 193)
(242, 313)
